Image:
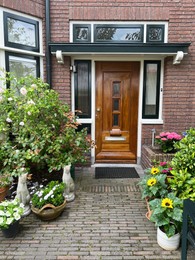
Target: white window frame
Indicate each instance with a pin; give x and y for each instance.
(4, 48)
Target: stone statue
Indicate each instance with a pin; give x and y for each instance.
(23, 194)
(70, 186)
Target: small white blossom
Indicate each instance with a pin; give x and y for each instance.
(8, 120)
(23, 91)
(21, 123)
(29, 113)
(10, 99)
(31, 102)
(34, 86)
(9, 221)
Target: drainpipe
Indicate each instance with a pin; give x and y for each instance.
(153, 136)
(48, 39)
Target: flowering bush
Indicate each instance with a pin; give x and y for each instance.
(167, 140)
(10, 212)
(5, 179)
(167, 213)
(37, 128)
(52, 193)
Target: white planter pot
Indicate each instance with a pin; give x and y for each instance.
(168, 243)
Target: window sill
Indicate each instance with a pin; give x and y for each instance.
(152, 121)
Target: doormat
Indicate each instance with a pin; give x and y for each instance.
(115, 172)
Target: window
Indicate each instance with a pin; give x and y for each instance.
(155, 33)
(21, 32)
(82, 33)
(82, 81)
(119, 33)
(22, 65)
(21, 46)
(111, 32)
(151, 90)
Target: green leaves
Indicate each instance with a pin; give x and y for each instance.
(36, 124)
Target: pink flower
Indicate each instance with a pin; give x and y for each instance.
(164, 139)
(164, 171)
(163, 163)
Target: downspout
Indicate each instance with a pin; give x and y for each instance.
(48, 39)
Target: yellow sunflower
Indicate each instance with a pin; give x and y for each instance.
(151, 182)
(167, 203)
(155, 170)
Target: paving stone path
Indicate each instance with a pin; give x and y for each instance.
(106, 221)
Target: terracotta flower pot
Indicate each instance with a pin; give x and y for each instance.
(3, 192)
(49, 211)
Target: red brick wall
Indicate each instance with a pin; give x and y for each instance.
(179, 80)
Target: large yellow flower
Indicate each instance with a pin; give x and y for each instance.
(167, 203)
(154, 170)
(151, 182)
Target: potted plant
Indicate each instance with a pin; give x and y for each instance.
(167, 140)
(167, 216)
(10, 214)
(37, 128)
(5, 181)
(49, 202)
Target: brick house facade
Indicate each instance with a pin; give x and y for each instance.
(174, 97)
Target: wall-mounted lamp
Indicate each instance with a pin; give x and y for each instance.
(73, 68)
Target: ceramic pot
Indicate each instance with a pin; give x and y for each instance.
(49, 211)
(167, 243)
(12, 230)
(3, 192)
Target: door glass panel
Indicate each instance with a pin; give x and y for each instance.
(116, 88)
(115, 120)
(116, 104)
(116, 100)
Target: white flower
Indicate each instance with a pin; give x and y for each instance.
(2, 213)
(10, 99)
(8, 120)
(53, 126)
(31, 102)
(23, 91)
(29, 113)
(9, 221)
(34, 86)
(1, 220)
(17, 216)
(7, 214)
(21, 123)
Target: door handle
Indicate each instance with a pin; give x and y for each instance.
(98, 109)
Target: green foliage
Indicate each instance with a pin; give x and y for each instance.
(52, 193)
(167, 213)
(153, 186)
(10, 212)
(37, 128)
(183, 167)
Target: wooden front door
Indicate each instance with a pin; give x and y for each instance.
(117, 86)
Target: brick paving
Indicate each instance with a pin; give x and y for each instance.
(106, 221)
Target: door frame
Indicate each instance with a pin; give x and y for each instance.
(122, 58)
